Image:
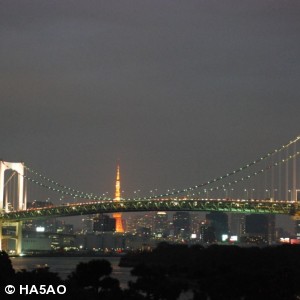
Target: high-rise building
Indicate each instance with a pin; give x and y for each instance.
(104, 223)
(131, 223)
(271, 229)
(260, 229)
(161, 224)
(181, 223)
(237, 224)
(219, 221)
(118, 216)
(207, 233)
(196, 221)
(137, 221)
(87, 223)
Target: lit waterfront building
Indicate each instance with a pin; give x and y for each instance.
(297, 223)
(118, 216)
(298, 229)
(108, 242)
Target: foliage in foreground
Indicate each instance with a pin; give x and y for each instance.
(216, 272)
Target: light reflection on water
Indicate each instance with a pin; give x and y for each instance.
(65, 265)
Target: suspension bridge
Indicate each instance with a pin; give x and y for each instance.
(266, 185)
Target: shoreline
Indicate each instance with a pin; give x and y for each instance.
(67, 255)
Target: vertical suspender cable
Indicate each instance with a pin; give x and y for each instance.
(11, 190)
(294, 174)
(287, 176)
(265, 177)
(24, 204)
(279, 179)
(272, 180)
(6, 198)
(14, 204)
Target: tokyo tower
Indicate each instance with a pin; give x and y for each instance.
(118, 216)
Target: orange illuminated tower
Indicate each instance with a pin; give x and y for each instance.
(118, 216)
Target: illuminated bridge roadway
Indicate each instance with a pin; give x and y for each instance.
(204, 205)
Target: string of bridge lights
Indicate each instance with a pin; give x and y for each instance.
(81, 196)
(63, 191)
(258, 160)
(228, 184)
(211, 189)
(77, 194)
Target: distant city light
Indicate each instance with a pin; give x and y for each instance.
(285, 240)
(40, 229)
(233, 238)
(224, 237)
(294, 241)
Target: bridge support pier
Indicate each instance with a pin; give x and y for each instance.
(21, 204)
(1, 235)
(17, 237)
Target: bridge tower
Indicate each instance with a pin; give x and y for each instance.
(18, 167)
(118, 216)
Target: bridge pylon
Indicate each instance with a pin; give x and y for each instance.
(18, 167)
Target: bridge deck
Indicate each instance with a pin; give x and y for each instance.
(224, 205)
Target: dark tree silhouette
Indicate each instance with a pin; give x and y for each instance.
(7, 273)
(110, 289)
(6, 270)
(217, 272)
(88, 275)
(157, 282)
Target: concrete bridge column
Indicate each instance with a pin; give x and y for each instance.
(0, 235)
(3, 168)
(18, 237)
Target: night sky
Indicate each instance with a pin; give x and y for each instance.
(178, 91)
